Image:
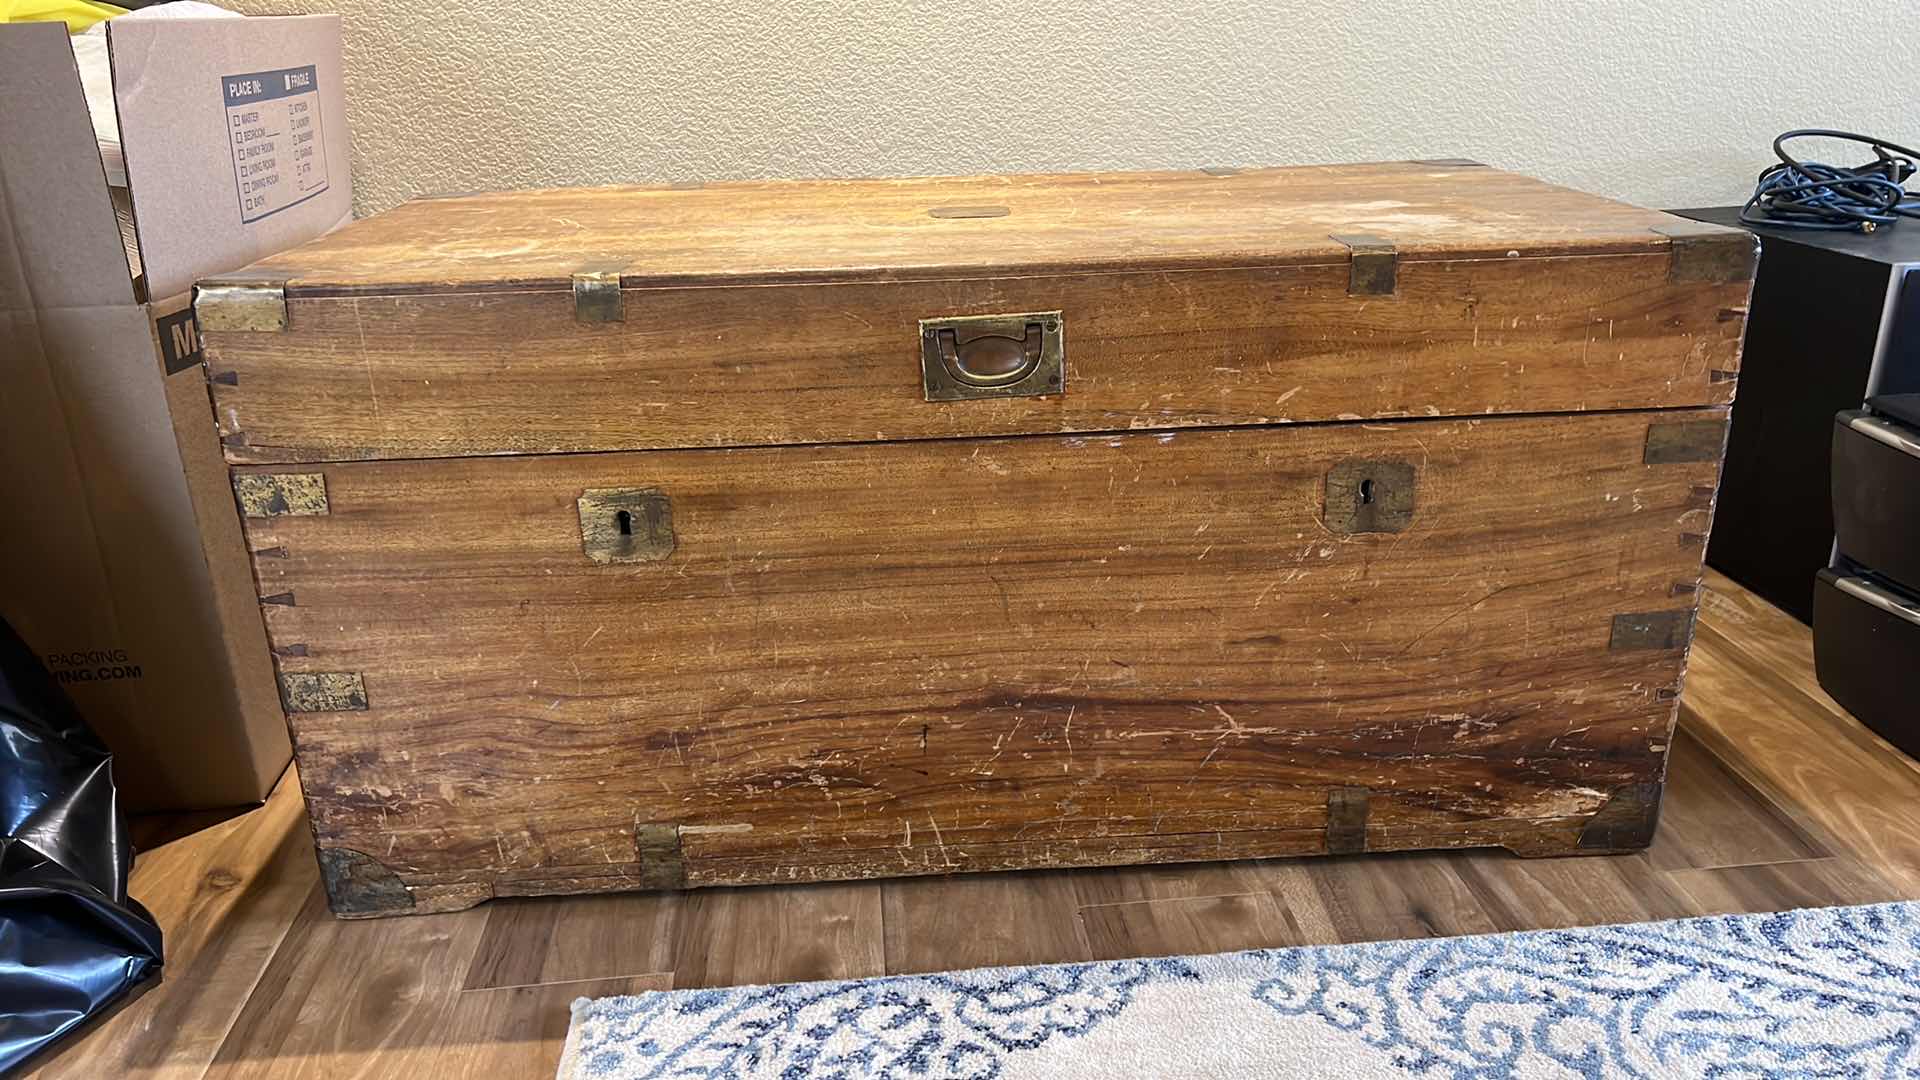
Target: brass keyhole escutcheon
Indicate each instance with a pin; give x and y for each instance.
(1370, 496)
(626, 525)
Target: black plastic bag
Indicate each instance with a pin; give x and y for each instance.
(71, 941)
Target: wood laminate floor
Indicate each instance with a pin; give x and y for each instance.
(1777, 799)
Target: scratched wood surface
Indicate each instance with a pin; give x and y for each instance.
(784, 312)
(910, 658)
(889, 229)
(482, 372)
(262, 983)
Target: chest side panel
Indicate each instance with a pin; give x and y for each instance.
(496, 372)
(846, 661)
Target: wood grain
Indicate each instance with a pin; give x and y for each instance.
(1742, 783)
(1186, 926)
(512, 372)
(569, 939)
(1012, 653)
(1776, 649)
(1730, 827)
(782, 230)
(1131, 884)
(1785, 886)
(519, 1031)
(788, 312)
(769, 935)
(372, 1005)
(982, 920)
(1752, 700)
(1541, 894)
(1389, 897)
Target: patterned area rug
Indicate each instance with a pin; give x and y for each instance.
(1819, 993)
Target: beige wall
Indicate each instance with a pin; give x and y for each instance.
(1663, 102)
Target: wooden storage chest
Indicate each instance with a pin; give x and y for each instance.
(792, 531)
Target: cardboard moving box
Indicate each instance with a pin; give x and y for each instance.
(121, 560)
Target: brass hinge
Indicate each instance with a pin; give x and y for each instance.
(257, 306)
(1375, 269)
(596, 297)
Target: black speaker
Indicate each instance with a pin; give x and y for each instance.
(1866, 610)
(1866, 652)
(1876, 488)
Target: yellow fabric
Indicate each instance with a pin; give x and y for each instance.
(77, 14)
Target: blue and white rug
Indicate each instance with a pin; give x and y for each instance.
(1819, 993)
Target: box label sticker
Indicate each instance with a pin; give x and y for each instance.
(273, 123)
(179, 340)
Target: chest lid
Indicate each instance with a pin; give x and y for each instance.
(786, 312)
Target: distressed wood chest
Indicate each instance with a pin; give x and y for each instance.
(763, 532)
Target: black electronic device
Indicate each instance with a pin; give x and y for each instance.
(1834, 319)
(1866, 609)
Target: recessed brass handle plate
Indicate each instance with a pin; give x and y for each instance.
(969, 357)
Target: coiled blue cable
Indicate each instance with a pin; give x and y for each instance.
(1813, 195)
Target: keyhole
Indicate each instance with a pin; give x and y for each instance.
(1366, 492)
(624, 521)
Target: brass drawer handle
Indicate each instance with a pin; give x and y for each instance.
(980, 356)
(990, 359)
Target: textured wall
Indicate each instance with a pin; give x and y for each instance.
(1662, 102)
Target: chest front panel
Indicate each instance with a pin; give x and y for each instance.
(850, 661)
